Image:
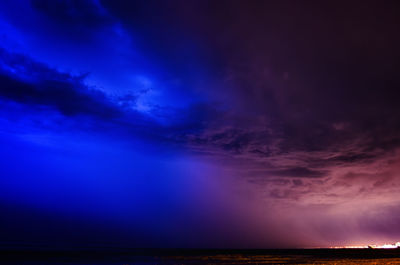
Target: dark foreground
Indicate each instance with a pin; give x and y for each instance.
(163, 256)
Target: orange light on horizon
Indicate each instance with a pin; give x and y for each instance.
(384, 246)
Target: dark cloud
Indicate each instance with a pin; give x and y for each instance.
(353, 158)
(28, 82)
(303, 85)
(303, 96)
(297, 182)
(297, 172)
(282, 86)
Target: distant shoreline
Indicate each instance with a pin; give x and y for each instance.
(154, 256)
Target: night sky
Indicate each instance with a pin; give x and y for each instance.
(229, 124)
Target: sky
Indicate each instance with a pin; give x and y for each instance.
(200, 124)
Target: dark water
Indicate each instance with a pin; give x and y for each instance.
(122, 257)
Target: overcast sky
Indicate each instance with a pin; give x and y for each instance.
(200, 123)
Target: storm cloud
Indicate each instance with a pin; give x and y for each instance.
(293, 106)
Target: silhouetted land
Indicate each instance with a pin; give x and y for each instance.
(201, 256)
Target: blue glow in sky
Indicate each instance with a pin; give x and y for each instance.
(82, 133)
(199, 123)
